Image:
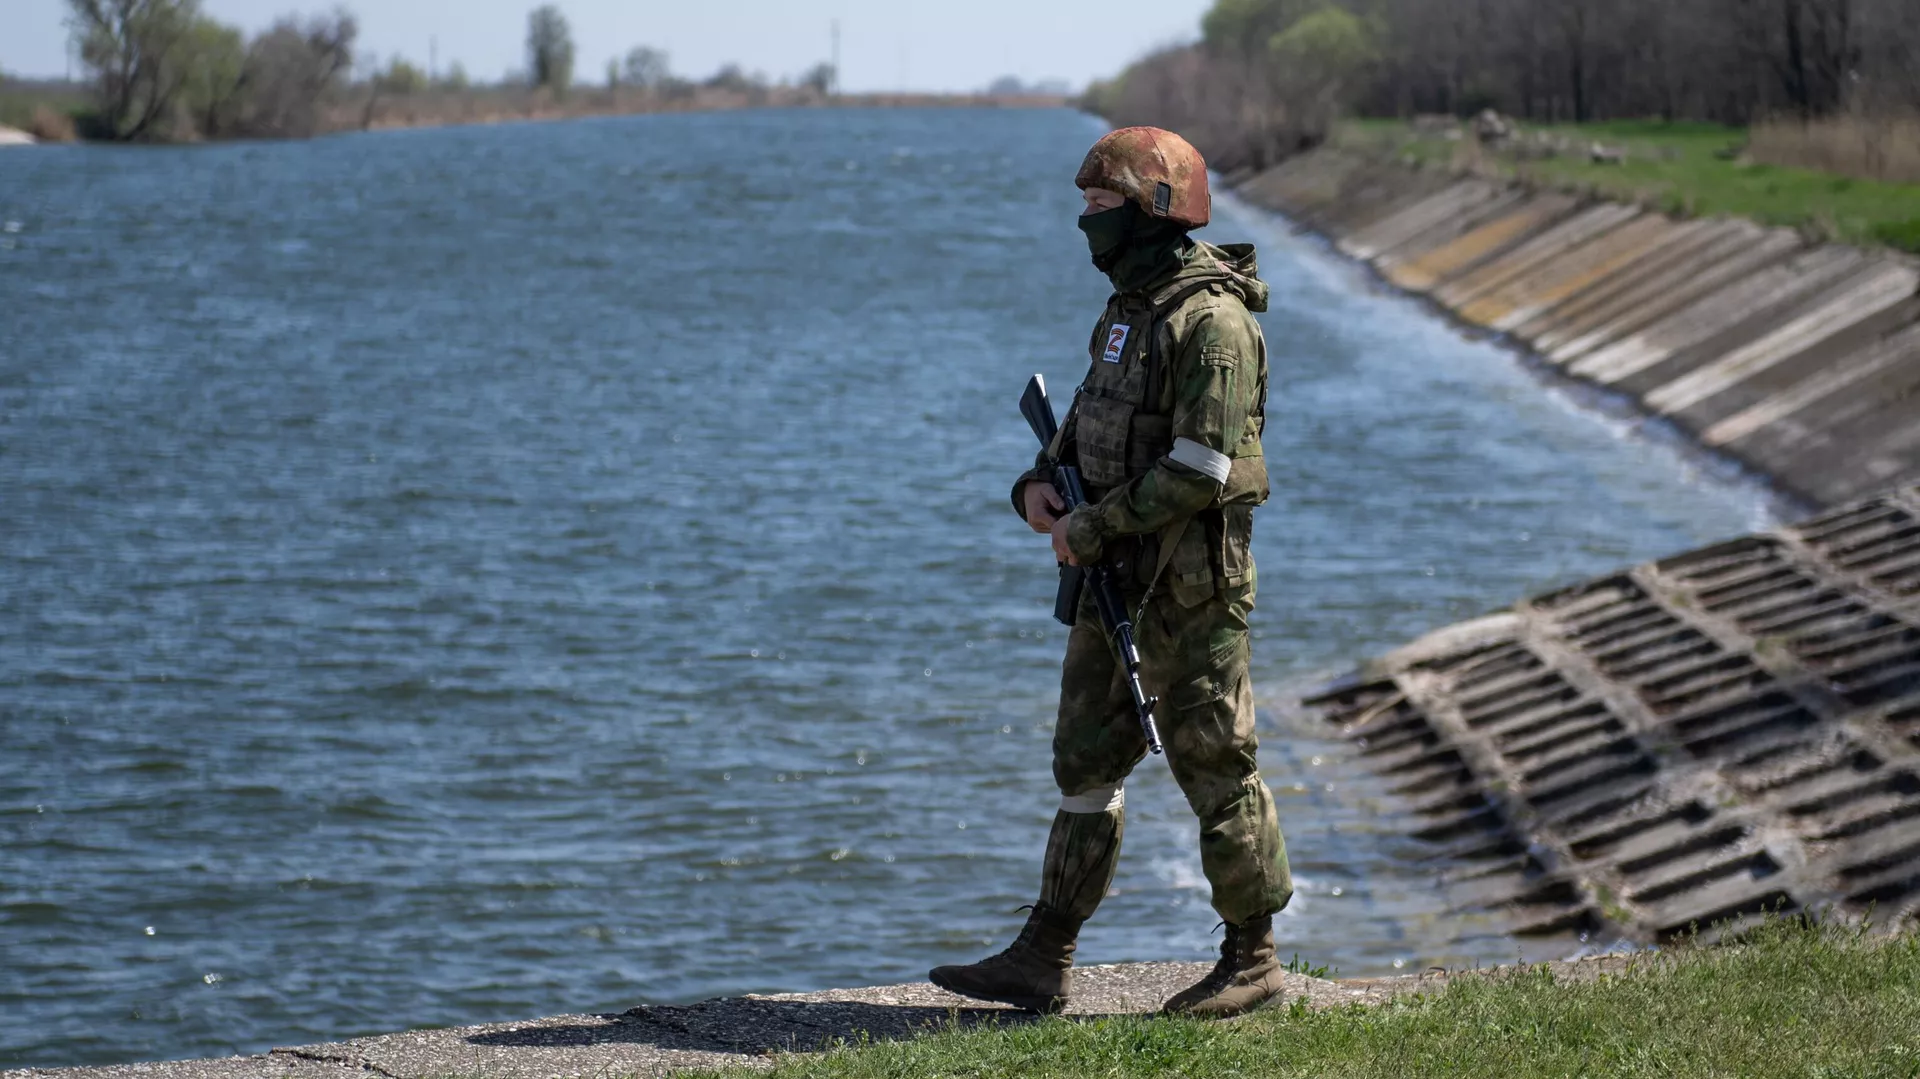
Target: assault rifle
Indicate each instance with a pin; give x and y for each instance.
(1106, 589)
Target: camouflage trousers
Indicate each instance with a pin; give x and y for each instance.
(1195, 660)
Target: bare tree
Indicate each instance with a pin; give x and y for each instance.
(646, 68)
(134, 48)
(819, 79)
(290, 70)
(1257, 82)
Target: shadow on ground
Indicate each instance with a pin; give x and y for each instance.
(757, 1026)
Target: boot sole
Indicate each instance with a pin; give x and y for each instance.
(1036, 1005)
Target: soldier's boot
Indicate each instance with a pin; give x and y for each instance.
(1035, 972)
(1247, 975)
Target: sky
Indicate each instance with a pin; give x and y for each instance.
(928, 45)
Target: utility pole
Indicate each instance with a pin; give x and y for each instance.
(433, 58)
(833, 90)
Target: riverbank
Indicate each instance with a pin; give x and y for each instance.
(753, 1031)
(1796, 358)
(1790, 999)
(1688, 170)
(49, 112)
(371, 111)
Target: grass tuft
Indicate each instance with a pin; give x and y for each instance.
(1791, 998)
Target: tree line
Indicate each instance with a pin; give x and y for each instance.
(163, 69)
(1268, 76)
(550, 55)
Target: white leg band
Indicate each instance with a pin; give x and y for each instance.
(1097, 800)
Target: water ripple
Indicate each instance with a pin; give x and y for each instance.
(462, 575)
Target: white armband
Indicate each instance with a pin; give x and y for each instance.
(1215, 466)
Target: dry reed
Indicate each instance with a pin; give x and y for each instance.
(360, 108)
(1885, 148)
(49, 125)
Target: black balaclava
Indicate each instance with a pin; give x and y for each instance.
(1132, 248)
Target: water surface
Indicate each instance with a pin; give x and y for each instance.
(464, 575)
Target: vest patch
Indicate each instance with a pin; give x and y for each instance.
(1116, 342)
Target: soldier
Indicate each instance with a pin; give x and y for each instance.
(1166, 431)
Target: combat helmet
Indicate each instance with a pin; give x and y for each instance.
(1157, 169)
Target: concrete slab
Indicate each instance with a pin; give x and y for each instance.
(1302, 185)
(1685, 282)
(1828, 466)
(1616, 273)
(1701, 738)
(1274, 186)
(1886, 454)
(1462, 254)
(1561, 278)
(263, 1066)
(1695, 266)
(1376, 197)
(1725, 311)
(1410, 221)
(1765, 345)
(747, 1031)
(1696, 398)
(1449, 229)
(1887, 370)
(1822, 340)
(1537, 252)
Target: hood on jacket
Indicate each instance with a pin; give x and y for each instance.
(1234, 265)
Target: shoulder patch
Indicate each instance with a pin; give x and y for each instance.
(1218, 356)
(1116, 342)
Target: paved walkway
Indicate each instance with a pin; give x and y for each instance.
(656, 1041)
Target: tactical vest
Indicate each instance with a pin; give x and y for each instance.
(1121, 425)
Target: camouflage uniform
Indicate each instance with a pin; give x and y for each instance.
(1166, 431)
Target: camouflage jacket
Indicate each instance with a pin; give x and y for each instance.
(1166, 426)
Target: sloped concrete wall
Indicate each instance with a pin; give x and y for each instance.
(1713, 736)
(1801, 361)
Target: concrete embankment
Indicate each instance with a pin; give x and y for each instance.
(1799, 360)
(1711, 736)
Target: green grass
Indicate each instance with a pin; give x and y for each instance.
(1793, 999)
(1683, 169)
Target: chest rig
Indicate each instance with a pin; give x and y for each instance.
(1123, 415)
(1122, 424)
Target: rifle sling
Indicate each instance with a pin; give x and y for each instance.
(1169, 539)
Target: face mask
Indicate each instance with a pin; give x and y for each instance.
(1132, 249)
(1107, 234)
